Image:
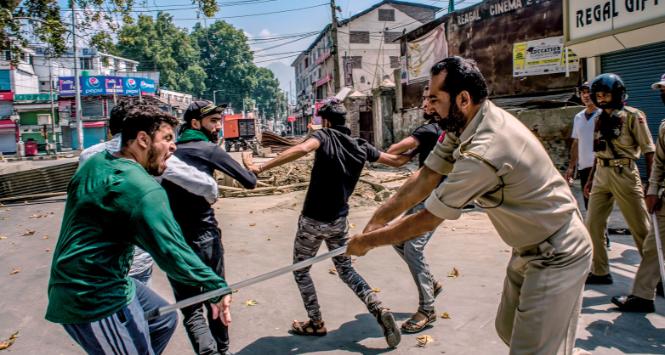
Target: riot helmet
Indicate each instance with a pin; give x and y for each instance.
(609, 83)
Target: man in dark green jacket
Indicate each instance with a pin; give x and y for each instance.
(113, 205)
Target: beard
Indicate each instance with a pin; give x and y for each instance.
(214, 137)
(431, 117)
(454, 122)
(155, 166)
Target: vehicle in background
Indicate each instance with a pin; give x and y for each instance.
(239, 133)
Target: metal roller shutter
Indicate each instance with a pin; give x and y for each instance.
(639, 68)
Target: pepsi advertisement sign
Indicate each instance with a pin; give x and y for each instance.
(107, 85)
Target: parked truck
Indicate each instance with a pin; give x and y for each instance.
(239, 133)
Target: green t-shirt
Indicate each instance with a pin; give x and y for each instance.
(112, 205)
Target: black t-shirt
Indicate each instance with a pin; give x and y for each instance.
(427, 136)
(337, 166)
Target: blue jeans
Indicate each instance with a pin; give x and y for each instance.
(412, 252)
(127, 331)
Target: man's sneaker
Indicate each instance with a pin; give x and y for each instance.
(388, 325)
(592, 279)
(632, 303)
(659, 289)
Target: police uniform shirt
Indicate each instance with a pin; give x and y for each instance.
(658, 170)
(501, 165)
(634, 139)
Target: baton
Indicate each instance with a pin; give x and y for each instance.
(157, 312)
(659, 247)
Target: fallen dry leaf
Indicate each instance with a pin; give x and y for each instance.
(424, 340)
(252, 224)
(9, 342)
(268, 239)
(48, 250)
(332, 271)
(376, 289)
(453, 273)
(15, 271)
(2, 237)
(445, 315)
(250, 303)
(351, 226)
(38, 215)
(250, 212)
(45, 237)
(28, 232)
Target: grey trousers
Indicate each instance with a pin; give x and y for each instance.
(412, 252)
(311, 233)
(542, 293)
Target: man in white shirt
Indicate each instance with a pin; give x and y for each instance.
(581, 150)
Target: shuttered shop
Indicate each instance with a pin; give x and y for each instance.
(639, 68)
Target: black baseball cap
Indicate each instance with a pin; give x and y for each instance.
(201, 109)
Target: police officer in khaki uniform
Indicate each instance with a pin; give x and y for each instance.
(648, 274)
(493, 159)
(621, 135)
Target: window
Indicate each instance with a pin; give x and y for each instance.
(92, 108)
(86, 63)
(386, 15)
(362, 79)
(8, 55)
(359, 37)
(394, 62)
(353, 62)
(390, 37)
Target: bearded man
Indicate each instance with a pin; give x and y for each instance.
(197, 146)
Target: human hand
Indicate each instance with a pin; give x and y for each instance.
(653, 203)
(587, 189)
(247, 160)
(357, 246)
(222, 310)
(569, 175)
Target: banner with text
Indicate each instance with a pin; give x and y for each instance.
(542, 56)
(424, 52)
(107, 85)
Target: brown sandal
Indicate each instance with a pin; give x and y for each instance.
(414, 326)
(309, 328)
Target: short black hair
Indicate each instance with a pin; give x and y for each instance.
(146, 118)
(334, 111)
(118, 113)
(462, 74)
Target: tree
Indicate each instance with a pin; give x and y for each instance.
(268, 95)
(47, 24)
(161, 46)
(227, 60)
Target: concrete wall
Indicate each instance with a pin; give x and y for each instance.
(405, 122)
(553, 128)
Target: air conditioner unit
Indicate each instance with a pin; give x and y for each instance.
(44, 119)
(89, 51)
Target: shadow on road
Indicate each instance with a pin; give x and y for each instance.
(347, 337)
(620, 334)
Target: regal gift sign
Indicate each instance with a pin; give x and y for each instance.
(590, 18)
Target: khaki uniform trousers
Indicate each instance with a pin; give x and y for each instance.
(648, 274)
(625, 188)
(542, 293)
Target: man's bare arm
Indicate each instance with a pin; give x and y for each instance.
(414, 190)
(573, 160)
(287, 156)
(404, 229)
(393, 160)
(403, 146)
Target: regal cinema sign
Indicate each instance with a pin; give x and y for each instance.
(588, 19)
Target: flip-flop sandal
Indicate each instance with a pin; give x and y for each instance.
(413, 326)
(309, 328)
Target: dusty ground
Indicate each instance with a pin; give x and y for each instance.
(258, 237)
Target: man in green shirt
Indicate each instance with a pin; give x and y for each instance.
(113, 205)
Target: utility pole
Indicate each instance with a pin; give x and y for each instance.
(333, 31)
(50, 92)
(77, 88)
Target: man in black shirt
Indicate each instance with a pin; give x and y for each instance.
(338, 163)
(421, 142)
(197, 147)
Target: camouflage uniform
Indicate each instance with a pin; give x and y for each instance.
(311, 233)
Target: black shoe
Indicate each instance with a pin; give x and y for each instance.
(592, 279)
(388, 325)
(659, 289)
(632, 303)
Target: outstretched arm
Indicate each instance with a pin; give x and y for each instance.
(393, 160)
(403, 146)
(289, 155)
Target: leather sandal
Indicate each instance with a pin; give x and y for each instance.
(309, 328)
(414, 326)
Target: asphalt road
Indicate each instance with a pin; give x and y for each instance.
(258, 237)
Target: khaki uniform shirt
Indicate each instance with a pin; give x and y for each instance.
(498, 163)
(657, 176)
(634, 139)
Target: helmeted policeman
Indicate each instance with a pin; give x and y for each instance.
(621, 136)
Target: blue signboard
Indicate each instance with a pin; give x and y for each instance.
(107, 85)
